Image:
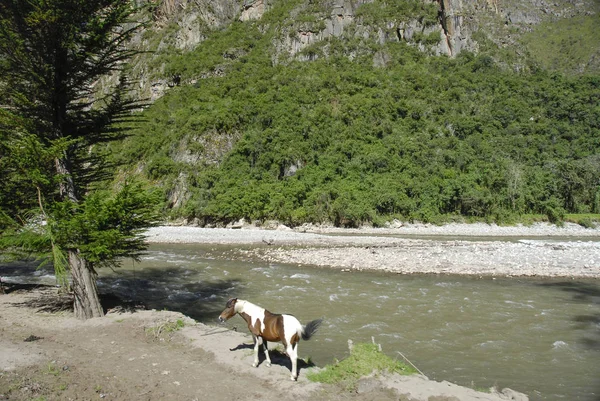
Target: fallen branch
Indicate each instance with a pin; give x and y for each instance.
(411, 364)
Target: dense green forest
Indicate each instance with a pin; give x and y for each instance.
(340, 138)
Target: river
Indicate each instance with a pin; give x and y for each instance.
(537, 336)
(540, 337)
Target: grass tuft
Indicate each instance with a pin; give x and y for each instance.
(165, 328)
(364, 359)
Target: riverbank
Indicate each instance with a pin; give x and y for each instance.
(133, 354)
(46, 353)
(540, 250)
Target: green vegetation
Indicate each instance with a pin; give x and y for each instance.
(364, 359)
(339, 140)
(52, 369)
(481, 389)
(568, 45)
(381, 11)
(364, 132)
(55, 202)
(586, 220)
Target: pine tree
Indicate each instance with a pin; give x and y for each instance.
(54, 128)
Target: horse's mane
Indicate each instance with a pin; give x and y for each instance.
(248, 303)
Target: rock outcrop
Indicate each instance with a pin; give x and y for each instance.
(253, 10)
(460, 25)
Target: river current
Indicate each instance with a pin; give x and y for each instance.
(540, 337)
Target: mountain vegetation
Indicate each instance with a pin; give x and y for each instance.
(353, 131)
(409, 110)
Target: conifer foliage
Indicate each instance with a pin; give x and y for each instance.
(54, 127)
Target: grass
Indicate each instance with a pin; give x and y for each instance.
(44, 382)
(588, 220)
(480, 389)
(52, 370)
(565, 45)
(165, 328)
(364, 359)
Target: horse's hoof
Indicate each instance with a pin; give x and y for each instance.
(268, 364)
(254, 365)
(294, 379)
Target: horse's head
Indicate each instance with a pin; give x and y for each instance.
(229, 311)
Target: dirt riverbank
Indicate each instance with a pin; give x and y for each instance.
(46, 354)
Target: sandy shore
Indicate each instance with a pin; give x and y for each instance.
(542, 250)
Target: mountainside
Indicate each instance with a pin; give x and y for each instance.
(360, 111)
(558, 35)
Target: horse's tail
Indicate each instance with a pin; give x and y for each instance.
(310, 329)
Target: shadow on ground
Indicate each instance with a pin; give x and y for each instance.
(169, 288)
(166, 288)
(51, 301)
(55, 300)
(277, 356)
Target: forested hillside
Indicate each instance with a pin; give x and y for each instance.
(351, 130)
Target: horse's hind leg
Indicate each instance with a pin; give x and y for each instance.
(267, 358)
(292, 351)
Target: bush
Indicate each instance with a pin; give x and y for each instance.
(553, 211)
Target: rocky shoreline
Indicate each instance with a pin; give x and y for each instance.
(541, 250)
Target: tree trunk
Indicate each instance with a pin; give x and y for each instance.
(86, 303)
(66, 185)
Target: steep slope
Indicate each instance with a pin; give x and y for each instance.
(353, 112)
(511, 31)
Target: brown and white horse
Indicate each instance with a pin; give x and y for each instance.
(266, 326)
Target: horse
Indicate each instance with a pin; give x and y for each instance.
(266, 326)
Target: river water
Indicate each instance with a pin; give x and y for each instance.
(540, 337)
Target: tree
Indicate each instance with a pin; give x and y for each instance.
(54, 128)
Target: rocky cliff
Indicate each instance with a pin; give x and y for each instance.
(436, 27)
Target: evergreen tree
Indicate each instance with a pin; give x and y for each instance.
(54, 128)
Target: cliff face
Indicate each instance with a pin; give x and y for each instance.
(436, 27)
(464, 23)
(176, 25)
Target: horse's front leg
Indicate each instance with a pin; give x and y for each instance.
(257, 343)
